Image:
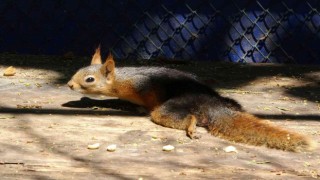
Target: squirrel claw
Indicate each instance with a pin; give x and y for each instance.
(192, 135)
(197, 137)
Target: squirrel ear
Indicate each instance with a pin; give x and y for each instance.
(109, 64)
(108, 68)
(96, 58)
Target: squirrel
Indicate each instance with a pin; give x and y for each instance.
(179, 100)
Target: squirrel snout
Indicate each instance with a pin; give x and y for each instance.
(70, 84)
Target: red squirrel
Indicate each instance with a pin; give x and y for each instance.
(180, 100)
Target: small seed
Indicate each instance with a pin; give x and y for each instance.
(112, 147)
(168, 148)
(230, 149)
(94, 146)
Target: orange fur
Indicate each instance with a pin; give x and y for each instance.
(125, 90)
(150, 100)
(248, 129)
(188, 123)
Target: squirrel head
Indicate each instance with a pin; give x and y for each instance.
(96, 78)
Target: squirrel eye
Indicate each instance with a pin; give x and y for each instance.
(89, 79)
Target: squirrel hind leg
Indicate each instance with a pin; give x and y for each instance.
(177, 120)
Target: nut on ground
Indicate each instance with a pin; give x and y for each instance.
(10, 71)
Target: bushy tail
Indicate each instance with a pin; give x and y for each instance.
(245, 128)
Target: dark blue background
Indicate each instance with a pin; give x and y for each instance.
(277, 31)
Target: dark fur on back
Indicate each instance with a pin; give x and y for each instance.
(182, 93)
(172, 83)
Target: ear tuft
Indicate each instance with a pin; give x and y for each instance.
(110, 56)
(96, 58)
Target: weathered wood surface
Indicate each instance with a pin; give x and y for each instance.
(41, 139)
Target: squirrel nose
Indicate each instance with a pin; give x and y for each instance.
(70, 85)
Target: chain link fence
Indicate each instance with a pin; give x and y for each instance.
(277, 31)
